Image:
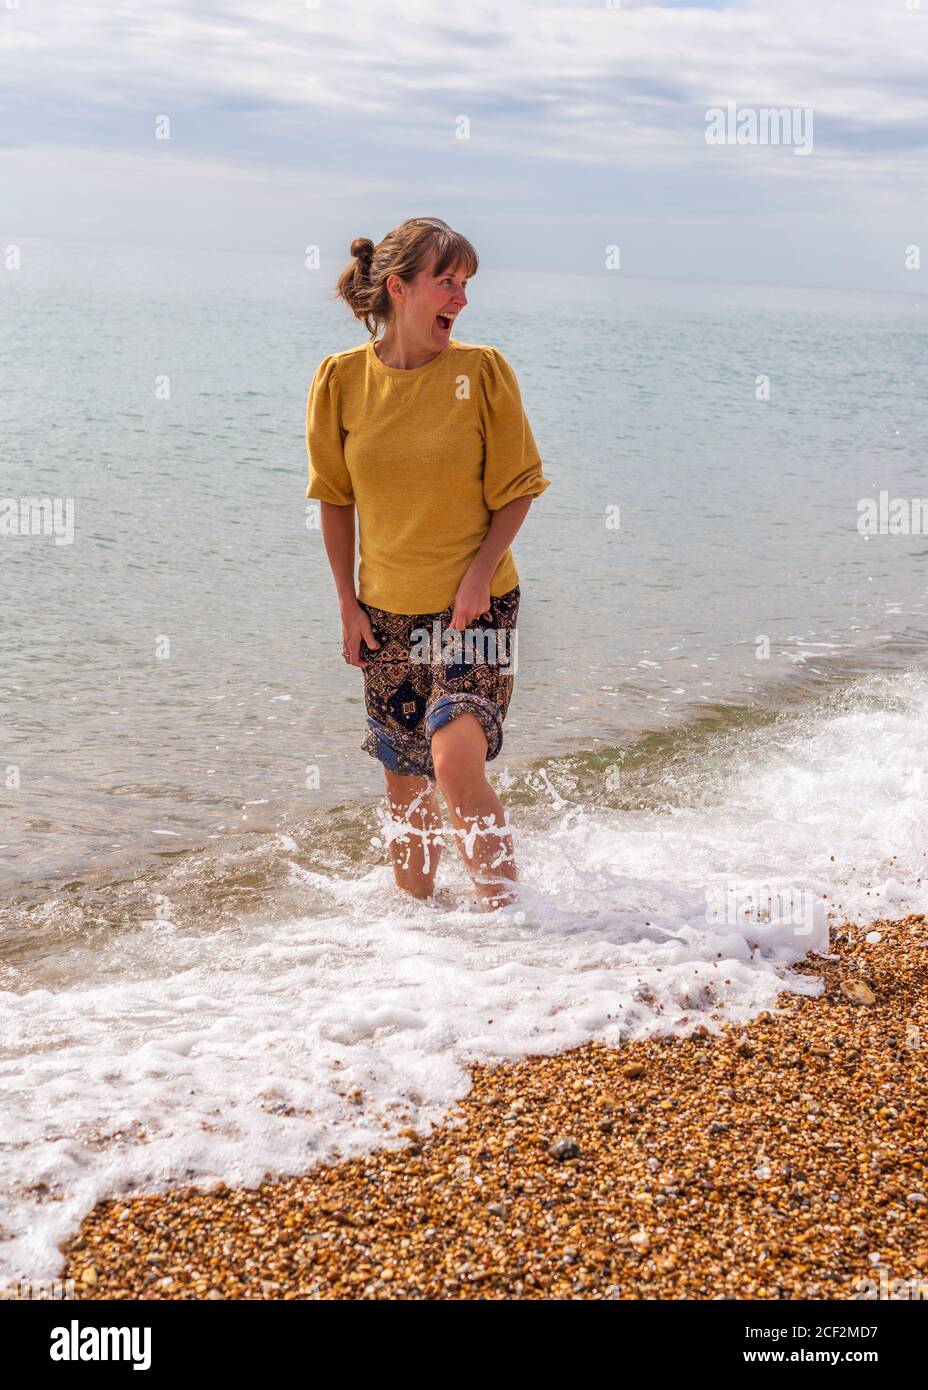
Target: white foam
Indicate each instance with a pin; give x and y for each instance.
(180, 1052)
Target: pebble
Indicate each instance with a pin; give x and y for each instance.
(564, 1148)
(858, 991)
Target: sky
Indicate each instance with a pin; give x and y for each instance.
(545, 132)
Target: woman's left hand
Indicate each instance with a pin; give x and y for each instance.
(472, 600)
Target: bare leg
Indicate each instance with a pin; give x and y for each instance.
(459, 751)
(416, 839)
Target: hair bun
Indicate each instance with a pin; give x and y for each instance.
(362, 248)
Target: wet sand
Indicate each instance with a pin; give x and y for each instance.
(787, 1159)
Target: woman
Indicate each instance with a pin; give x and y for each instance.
(426, 436)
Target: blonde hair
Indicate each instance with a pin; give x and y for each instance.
(403, 252)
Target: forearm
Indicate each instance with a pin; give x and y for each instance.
(504, 527)
(338, 538)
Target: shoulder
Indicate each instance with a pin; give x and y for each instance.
(338, 365)
(486, 363)
(480, 353)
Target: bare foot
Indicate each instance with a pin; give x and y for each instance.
(442, 898)
(490, 897)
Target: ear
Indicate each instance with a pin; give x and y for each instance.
(395, 287)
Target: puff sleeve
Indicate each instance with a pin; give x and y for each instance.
(329, 479)
(512, 464)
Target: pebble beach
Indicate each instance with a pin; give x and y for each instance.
(783, 1159)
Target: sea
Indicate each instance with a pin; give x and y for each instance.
(715, 753)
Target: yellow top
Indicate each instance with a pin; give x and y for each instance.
(426, 455)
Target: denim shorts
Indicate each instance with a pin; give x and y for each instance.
(415, 684)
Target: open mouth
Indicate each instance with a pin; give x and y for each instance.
(445, 321)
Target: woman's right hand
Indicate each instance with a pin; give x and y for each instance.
(355, 625)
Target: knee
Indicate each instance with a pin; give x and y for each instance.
(407, 795)
(459, 778)
(458, 745)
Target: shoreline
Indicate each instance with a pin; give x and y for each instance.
(786, 1158)
(98, 869)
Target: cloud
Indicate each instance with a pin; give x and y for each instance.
(563, 100)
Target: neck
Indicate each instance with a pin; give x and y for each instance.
(394, 350)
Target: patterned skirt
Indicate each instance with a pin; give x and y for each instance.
(424, 674)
